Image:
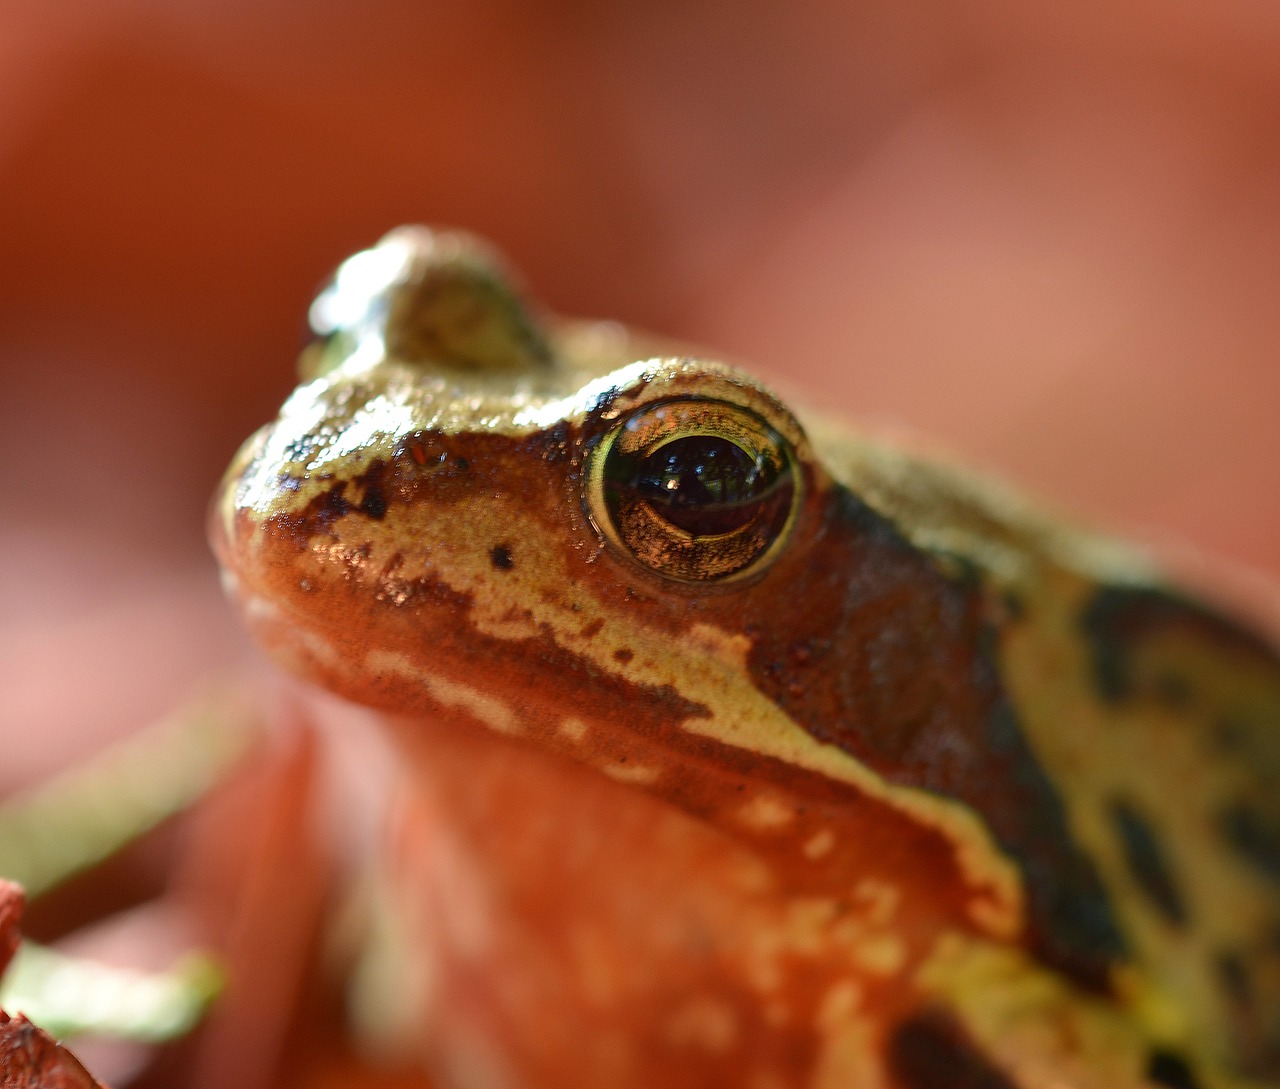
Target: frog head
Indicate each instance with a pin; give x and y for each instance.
(457, 494)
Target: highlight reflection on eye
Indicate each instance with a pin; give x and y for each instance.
(695, 490)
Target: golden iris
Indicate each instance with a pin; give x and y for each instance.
(695, 490)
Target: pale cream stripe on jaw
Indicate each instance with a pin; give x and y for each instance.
(701, 668)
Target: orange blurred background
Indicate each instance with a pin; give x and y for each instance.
(1045, 236)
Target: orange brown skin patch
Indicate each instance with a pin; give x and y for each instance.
(32, 1059)
(689, 979)
(626, 725)
(1148, 649)
(641, 724)
(887, 663)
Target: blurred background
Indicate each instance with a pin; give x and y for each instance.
(1046, 237)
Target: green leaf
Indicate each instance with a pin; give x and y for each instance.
(69, 996)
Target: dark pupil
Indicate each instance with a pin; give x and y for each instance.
(702, 484)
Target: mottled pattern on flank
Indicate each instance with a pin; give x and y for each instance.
(892, 660)
(1148, 862)
(1119, 619)
(1167, 1068)
(932, 1051)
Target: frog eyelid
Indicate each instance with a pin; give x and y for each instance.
(682, 378)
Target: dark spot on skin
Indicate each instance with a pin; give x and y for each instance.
(1119, 619)
(500, 557)
(1254, 837)
(1235, 978)
(322, 512)
(1167, 1068)
(623, 655)
(1147, 861)
(932, 1051)
(301, 448)
(431, 464)
(373, 490)
(331, 505)
(592, 629)
(374, 503)
(1248, 979)
(1229, 734)
(898, 666)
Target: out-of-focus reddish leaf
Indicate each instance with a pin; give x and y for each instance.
(259, 882)
(333, 1068)
(32, 1059)
(11, 904)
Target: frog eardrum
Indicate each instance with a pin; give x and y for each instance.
(696, 490)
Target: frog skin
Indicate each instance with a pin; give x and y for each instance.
(745, 752)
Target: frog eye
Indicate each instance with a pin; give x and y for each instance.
(694, 489)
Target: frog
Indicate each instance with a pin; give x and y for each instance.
(747, 748)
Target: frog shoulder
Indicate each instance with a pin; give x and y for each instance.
(942, 506)
(1144, 642)
(1169, 653)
